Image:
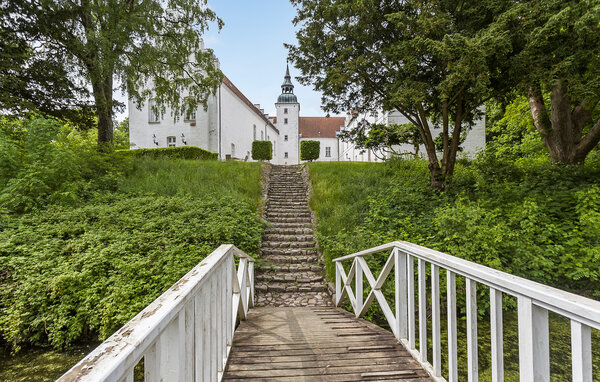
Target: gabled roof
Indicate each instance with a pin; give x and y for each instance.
(320, 127)
(244, 99)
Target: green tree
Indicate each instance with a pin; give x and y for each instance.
(435, 62)
(30, 81)
(563, 52)
(262, 150)
(147, 48)
(310, 150)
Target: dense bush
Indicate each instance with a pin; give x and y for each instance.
(77, 273)
(262, 150)
(528, 218)
(46, 161)
(310, 150)
(181, 152)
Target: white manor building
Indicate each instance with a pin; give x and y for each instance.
(231, 123)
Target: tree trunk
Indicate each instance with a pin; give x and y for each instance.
(562, 132)
(104, 102)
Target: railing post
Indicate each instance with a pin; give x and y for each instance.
(534, 347)
(581, 349)
(452, 342)
(338, 284)
(435, 320)
(422, 312)
(497, 335)
(472, 356)
(410, 275)
(401, 296)
(358, 287)
(199, 336)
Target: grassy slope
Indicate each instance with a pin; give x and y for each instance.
(360, 205)
(80, 271)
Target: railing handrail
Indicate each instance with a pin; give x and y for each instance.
(582, 309)
(121, 351)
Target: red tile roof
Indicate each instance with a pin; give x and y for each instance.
(320, 127)
(244, 99)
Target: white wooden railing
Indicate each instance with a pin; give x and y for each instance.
(186, 333)
(534, 300)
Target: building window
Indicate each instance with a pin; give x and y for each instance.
(190, 112)
(152, 113)
(262, 135)
(285, 138)
(171, 141)
(285, 121)
(254, 135)
(285, 155)
(285, 110)
(233, 150)
(328, 151)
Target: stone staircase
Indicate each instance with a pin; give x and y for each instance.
(290, 273)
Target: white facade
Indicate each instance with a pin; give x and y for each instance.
(474, 140)
(231, 123)
(287, 122)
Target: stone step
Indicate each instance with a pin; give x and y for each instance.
(294, 209)
(291, 260)
(295, 196)
(290, 268)
(290, 251)
(288, 244)
(280, 225)
(287, 278)
(288, 287)
(287, 214)
(287, 188)
(288, 219)
(288, 198)
(281, 230)
(287, 203)
(288, 237)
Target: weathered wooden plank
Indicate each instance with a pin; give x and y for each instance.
(312, 344)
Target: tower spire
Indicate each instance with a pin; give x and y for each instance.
(287, 88)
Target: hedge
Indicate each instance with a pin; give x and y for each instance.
(310, 150)
(262, 150)
(182, 152)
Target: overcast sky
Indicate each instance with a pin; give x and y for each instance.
(250, 50)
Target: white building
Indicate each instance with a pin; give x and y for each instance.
(473, 143)
(231, 123)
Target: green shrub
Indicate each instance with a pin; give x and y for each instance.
(262, 150)
(69, 274)
(310, 150)
(45, 161)
(181, 152)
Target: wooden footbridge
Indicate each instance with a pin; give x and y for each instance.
(204, 328)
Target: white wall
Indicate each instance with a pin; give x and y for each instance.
(291, 130)
(143, 134)
(236, 127)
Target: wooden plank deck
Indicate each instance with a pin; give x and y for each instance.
(316, 344)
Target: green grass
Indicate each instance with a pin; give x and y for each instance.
(196, 178)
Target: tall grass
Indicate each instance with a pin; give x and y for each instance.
(171, 177)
